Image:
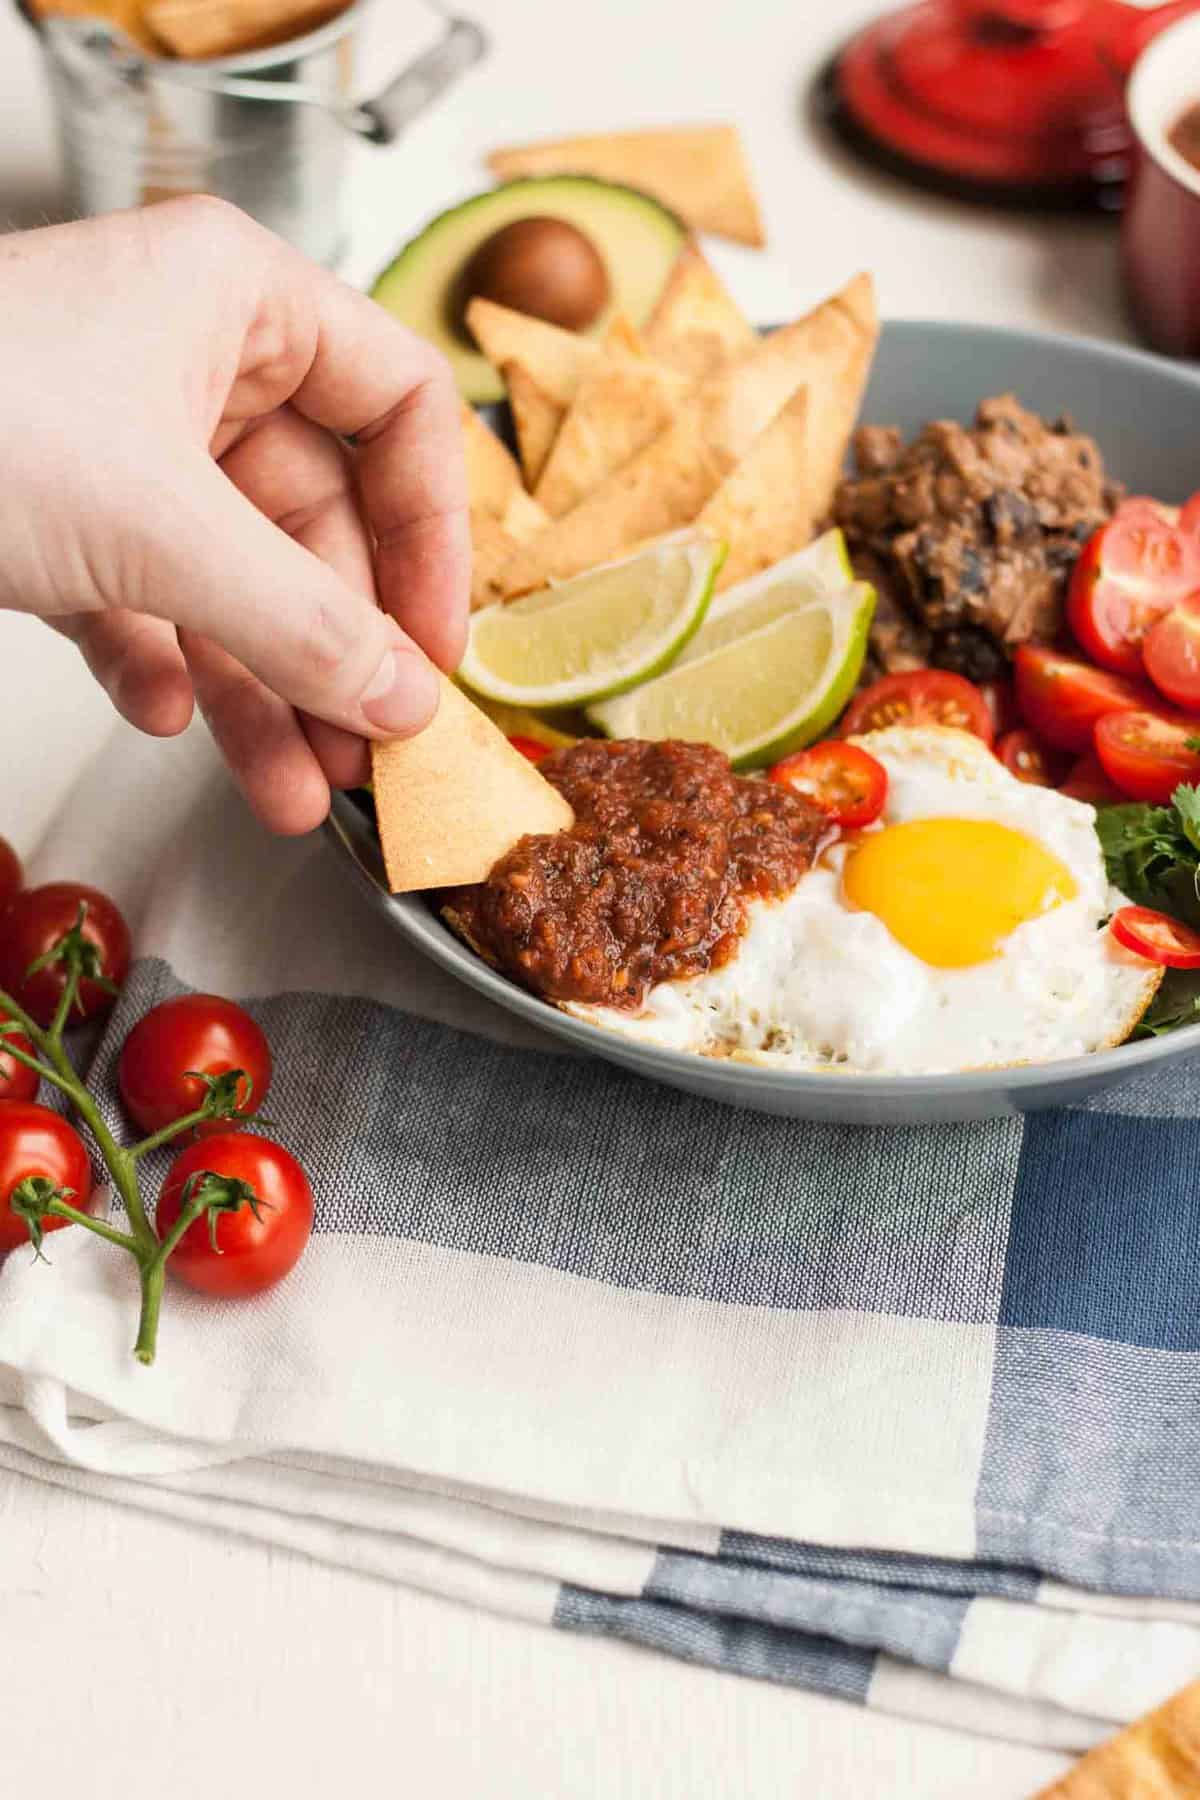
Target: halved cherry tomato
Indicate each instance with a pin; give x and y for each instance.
(253, 1251)
(35, 922)
(36, 1141)
(11, 873)
(1028, 760)
(1002, 704)
(1131, 571)
(1147, 756)
(530, 747)
(1157, 937)
(1087, 781)
(1189, 517)
(920, 697)
(845, 781)
(17, 1080)
(181, 1039)
(1171, 653)
(1061, 698)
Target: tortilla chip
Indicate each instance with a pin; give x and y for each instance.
(495, 541)
(668, 482)
(556, 359)
(834, 402)
(696, 325)
(699, 172)
(828, 351)
(452, 800)
(536, 419)
(621, 405)
(663, 486)
(763, 509)
(492, 548)
(1157, 1758)
(492, 474)
(622, 334)
(523, 517)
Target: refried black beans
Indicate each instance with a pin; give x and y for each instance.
(970, 534)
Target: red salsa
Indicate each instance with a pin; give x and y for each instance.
(652, 882)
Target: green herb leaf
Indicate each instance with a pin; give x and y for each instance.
(1176, 1003)
(1150, 853)
(1186, 801)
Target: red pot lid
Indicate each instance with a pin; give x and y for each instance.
(1009, 100)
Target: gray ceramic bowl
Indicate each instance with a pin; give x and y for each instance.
(1146, 415)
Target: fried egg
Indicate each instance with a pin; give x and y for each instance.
(963, 930)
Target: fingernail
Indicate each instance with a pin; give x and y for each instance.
(402, 695)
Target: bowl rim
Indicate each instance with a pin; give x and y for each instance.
(347, 825)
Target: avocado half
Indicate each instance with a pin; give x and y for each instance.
(638, 239)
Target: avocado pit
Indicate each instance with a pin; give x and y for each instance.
(541, 266)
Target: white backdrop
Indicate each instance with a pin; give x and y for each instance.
(144, 1657)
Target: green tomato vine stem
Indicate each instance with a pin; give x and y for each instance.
(62, 1209)
(141, 1242)
(176, 1129)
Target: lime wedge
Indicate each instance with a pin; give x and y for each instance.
(810, 574)
(759, 695)
(597, 634)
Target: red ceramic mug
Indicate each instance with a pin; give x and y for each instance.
(1160, 239)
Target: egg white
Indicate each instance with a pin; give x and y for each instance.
(817, 985)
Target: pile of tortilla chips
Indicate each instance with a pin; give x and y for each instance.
(622, 439)
(697, 420)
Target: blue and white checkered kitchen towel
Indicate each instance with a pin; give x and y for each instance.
(906, 1416)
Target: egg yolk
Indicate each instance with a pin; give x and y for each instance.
(951, 890)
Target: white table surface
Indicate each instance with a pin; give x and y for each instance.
(145, 1659)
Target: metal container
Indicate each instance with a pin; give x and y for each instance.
(268, 129)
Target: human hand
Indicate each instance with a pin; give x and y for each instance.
(180, 500)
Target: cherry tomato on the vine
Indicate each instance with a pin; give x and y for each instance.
(844, 780)
(254, 1251)
(17, 1080)
(34, 923)
(12, 875)
(180, 1040)
(920, 697)
(37, 1142)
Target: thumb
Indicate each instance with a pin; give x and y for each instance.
(214, 564)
